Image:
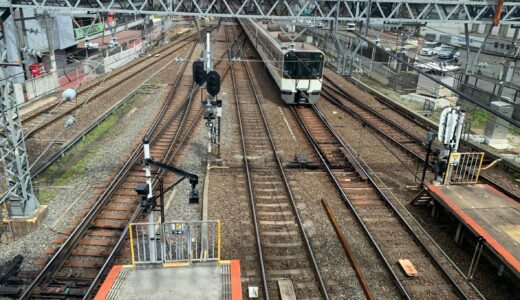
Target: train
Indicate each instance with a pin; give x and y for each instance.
(296, 67)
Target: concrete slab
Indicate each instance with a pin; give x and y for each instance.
(211, 280)
(193, 282)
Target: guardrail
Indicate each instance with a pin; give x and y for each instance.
(463, 168)
(176, 241)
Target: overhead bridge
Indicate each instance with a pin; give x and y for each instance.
(379, 11)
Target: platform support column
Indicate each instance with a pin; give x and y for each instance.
(435, 212)
(475, 259)
(459, 235)
(19, 190)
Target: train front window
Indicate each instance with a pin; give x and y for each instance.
(303, 65)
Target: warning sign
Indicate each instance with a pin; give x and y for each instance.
(455, 158)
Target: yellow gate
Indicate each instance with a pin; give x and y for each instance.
(463, 168)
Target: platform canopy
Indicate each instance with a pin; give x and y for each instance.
(380, 11)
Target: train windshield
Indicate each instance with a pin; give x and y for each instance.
(303, 65)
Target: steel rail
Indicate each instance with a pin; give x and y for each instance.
(58, 259)
(348, 202)
(249, 184)
(114, 74)
(310, 252)
(444, 273)
(40, 168)
(419, 120)
(106, 90)
(168, 158)
(338, 90)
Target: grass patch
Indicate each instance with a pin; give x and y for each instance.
(45, 196)
(85, 148)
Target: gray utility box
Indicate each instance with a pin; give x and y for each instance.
(496, 128)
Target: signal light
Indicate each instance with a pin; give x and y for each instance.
(213, 83)
(199, 74)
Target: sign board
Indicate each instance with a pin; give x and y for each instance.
(86, 31)
(455, 158)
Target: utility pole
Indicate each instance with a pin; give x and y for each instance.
(49, 27)
(506, 71)
(20, 34)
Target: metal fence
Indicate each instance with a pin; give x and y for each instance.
(176, 241)
(464, 168)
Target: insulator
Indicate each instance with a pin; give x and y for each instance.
(70, 121)
(68, 95)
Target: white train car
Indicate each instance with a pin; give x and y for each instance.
(297, 68)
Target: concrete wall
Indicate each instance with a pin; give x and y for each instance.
(486, 98)
(100, 64)
(41, 85)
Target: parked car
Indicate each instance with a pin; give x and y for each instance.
(456, 56)
(428, 48)
(438, 49)
(426, 51)
(447, 53)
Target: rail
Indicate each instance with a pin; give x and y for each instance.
(426, 250)
(65, 250)
(335, 88)
(321, 283)
(174, 47)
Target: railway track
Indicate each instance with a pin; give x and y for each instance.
(78, 266)
(387, 231)
(427, 124)
(41, 119)
(283, 248)
(43, 154)
(407, 141)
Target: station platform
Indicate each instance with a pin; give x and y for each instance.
(488, 214)
(122, 37)
(209, 280)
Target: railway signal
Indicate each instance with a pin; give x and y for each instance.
(199, 74)
(213, 83)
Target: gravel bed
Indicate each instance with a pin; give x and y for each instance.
(88, 113)
(335, 268)
(503, 177)
(401, 189)
(77, 187)
(229, 186)
(191, 160)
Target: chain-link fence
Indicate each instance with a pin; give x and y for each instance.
(377, 68)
